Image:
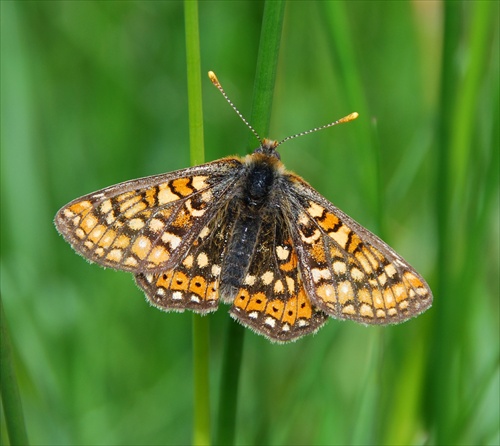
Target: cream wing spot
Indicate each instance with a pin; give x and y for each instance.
(357, 275)
(165, 194)
(250, 280)
(192, 211)
(198, 182)
(282, 252)
(173, 240)
(115, 255)
(136, 224)
(319, 274)
(216, 269)
(339, 267)
(106, 206)
(202, 260)
(270, 321)
(315, 210)
(130, 261)
(188, 261)
(267, 277)
(278, 287)
(156, 225)
(204, 232)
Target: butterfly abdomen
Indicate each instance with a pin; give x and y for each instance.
(256, 188)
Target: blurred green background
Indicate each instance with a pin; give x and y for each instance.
(94, 93)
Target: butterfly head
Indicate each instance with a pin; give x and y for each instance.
(268, 147)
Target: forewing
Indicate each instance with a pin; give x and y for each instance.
(272, 300)
(147, 225)
(348, 272)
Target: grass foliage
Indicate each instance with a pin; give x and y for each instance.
(94, 93)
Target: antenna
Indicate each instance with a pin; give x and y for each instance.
(216, 82)
(347, 118)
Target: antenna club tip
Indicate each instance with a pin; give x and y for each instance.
(213, 78)
(350, 117)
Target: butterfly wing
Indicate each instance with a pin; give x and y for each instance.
(348, 272)
(194, 282)
(147, 225)
(272, 300)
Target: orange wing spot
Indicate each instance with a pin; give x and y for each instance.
(165, 279)
(378, 302)
(275, 308)
(158, 255)
(212, 291)
(389, 298)
(198, 285)
(326, 293)
(345, 292)
(97, 233)
(180, 186)
(107, 239)
(179, 281)
(355, 241)
(81, 208)
(349, 309)
(122, 241)
(242, 299)
(378, 254)
(329, 222)
(257, 302)
(129, 203)
(365, 296)
(373, 261)
(413, 280)
(290, 313)
(304, 309)
(318, 253)
(124, 196)
(150, 197)
(291, 264)
(366, 311)
(364, 262)
(141, 247)
(400, 292)
(136, 208)
(182, 219)
(340, 236)
(115, 255)
(89, 223)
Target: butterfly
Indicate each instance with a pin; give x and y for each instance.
(249, 233)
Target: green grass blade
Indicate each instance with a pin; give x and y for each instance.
(267, 62)
(11, 399)
(261, 112)
(201, 424)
